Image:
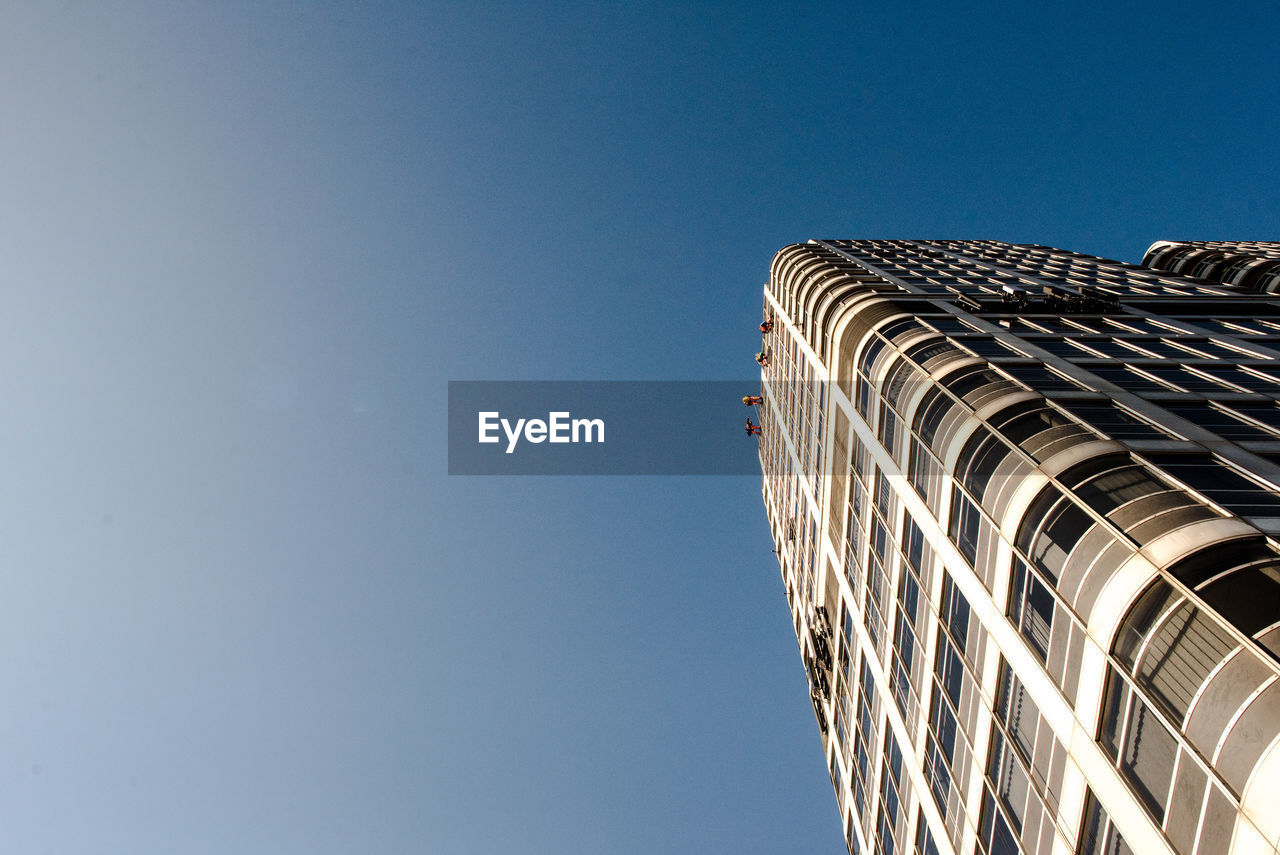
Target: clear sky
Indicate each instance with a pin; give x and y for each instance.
(244, 246)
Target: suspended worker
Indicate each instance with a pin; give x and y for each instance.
(752, 430)
(752, 400)
(762, 358)
(767, 326)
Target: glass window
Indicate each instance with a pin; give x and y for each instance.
(991, 348)
(890, 804)
(1065, 348)
(1020, 715)
(984, 453)
(1130, 379)
(923, 352)
(867, 362)
(889, 430)
(955, 611)
(1124, 483)
(1249, 597)
(1142, 617)
(1113, 420)
(879, 538)
(1097, 834)
(1028, 430)
(1061, 532)
(884, 496)
(1266, 413)
(904, 654)
(924, 838)
(1011, 780)
(1148, 756)
(1146, 748)
(1222, 422)
(893, 329)
(1021, 325)
(916, 547)
(967, 383)
(1220, 350)
(949, 324)
(1036, 514)
(950, 671)
(901, 378)
(1161, 348)
(875, 602)
(933, 409)
(1266, 371)
(1240, 376)
(1112, 711)
(864, 397)
(1182, 651)
(1122, 327)
(1218, 326)
(1217, 481)
(1185, 379)
(1238, 379)
(1031, 607)
(865, 739)
(1113, 348)
(938, 773)
(965, 522)
(995, 835)
(1038, 378)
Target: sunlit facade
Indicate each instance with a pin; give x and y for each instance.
(1026, 509)
(1249, 264)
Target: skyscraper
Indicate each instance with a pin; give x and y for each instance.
(1026, 507)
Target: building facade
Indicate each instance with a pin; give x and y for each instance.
(1026, 504)
(1249, 264)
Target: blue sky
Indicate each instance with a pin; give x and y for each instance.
(242, 606)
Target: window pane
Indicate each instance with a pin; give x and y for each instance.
(1127, 378)
(949, 670)
(1147, 761)
(1220, 483)
(964, 524)
(1112, 489)
(1031, 607)
(955, 611)
(1097, 835)
(1113, 708)
(1224, 424)
(1142, 616)
(1267, 413)
(1065, 526)
(1019, 713)
(984, 453)
(932, 410)
(1248, 598)
(1115, 422)
(996, 836)
(1039, 378)
(1180, 655)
